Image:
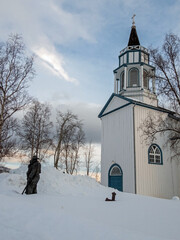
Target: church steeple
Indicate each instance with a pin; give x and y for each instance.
(134, 76)
(133, 39)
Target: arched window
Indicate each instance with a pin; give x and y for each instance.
(122, 81)
(145, 79)
(155, 154)
(115, 171)
(133, 77)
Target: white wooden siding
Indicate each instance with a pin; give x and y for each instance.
(117, 145)
(154, 180)
(115, 103)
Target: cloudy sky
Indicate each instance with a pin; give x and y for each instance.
(77, 43)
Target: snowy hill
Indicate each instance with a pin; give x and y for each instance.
(73, 207)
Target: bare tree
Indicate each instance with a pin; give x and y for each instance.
(88, 154)
(167, 63)
(62, 121)
(35, 132)
(70, 138)
(16, 70)
(96, 171)
(74, 140)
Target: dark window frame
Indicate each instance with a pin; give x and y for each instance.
(146, 72)
(155, 154)
(129, 77)
(122, 81)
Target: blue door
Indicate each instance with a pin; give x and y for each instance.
(116, 177)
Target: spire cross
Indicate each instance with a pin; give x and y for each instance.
(133, 23)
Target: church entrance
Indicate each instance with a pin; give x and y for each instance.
(115, 177)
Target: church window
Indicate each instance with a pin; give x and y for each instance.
(125, 58)
(115, 171)
(136, 56)
(133, 57)
(146, 60)
(121, 61)
(130, 57)
(122, 81)
(145, 79)
(142, 57)
(133, 77)
(155, 154)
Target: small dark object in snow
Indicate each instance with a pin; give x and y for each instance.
(33, 176)
(113, 197)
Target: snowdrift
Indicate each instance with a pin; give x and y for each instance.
(51, 181)
(73, 207)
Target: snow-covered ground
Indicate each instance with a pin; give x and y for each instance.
(73, 207)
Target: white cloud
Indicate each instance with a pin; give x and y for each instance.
(54, 62)
(47, 24)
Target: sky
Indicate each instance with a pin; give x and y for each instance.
(77, 43)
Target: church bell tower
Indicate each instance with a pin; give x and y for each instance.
(134, 78)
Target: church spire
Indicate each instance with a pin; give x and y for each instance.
(133, 39)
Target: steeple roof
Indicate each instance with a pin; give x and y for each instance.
(133, 39)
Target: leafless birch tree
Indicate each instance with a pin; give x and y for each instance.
(167, 63)
(70, 139)
(16, 70)
(35, 132)
(88, 154)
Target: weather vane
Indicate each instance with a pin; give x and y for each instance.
(133, 23)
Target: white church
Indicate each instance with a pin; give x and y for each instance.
(128, 164)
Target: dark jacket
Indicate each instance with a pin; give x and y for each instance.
(34, 170)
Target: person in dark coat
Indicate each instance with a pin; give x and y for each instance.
(33, 175)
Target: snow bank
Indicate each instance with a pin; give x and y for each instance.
(51, 181)
(175, 198)
(73, 207)
(55, 181)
